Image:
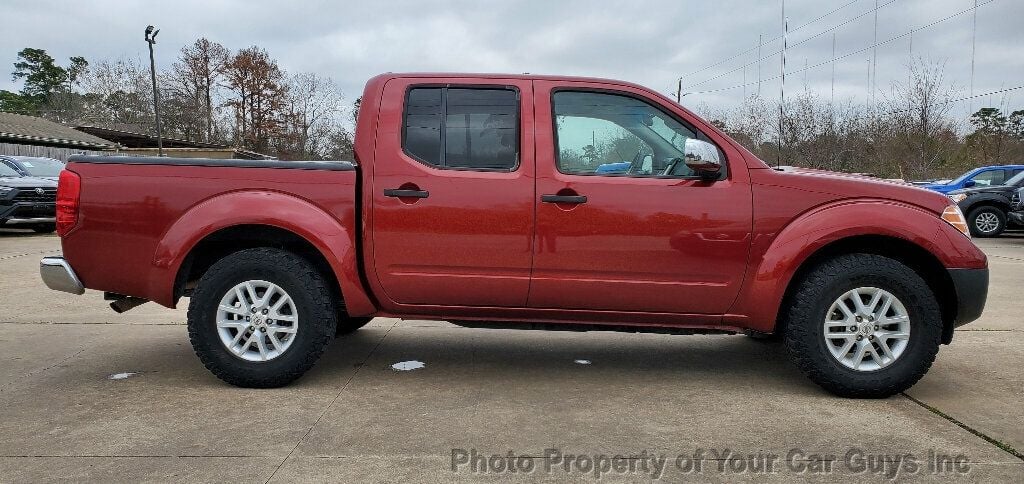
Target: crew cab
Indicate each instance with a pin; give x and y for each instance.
(480, 200)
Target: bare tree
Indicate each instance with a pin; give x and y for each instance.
(917, 113)
(118, 92)
(258, 88)
(193, 80)
(315, 106)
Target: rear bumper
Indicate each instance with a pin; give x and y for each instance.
(971, 286)
(58, 275)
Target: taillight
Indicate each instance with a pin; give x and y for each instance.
(69, 188)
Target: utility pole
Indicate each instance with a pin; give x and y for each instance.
(782, 84)
(833, 98)
(974, 34)
(874, 61)
(679, 92)
(151, 39)
(759, 64)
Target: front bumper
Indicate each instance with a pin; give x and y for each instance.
(971, 287)
(1017, 218)
(58, 275)
(28, 213)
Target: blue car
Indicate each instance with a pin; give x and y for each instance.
(984, 176)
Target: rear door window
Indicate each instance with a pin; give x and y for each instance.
(462, 127)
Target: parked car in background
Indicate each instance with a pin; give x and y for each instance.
(1017, 207)
(35, 166)
(988, 207)
(985, 176)
(26, 202)
(467, 201)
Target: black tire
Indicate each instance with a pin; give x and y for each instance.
(803, 319)
(309, 292)
(347, 324)
(45, 228)
(974, 214)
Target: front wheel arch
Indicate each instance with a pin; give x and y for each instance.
(908, 253)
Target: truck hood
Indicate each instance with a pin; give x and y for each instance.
(26, 182)
(848, 186)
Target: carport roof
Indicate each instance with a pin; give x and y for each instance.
(22, 129)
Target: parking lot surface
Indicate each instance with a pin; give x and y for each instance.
(87, 394)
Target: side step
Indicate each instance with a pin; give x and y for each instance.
(578, 327)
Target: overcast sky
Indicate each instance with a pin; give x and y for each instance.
(649, 42)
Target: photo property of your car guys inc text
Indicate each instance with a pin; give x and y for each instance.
(574, 241)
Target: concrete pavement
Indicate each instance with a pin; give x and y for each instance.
(353, 418)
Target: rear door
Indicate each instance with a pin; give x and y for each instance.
(453, 190)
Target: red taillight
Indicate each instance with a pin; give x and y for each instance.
(69, 187)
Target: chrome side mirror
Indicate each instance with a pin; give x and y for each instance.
(703, 158)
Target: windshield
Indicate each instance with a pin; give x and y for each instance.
(1016, 179)
(41, 166)
(7, 170)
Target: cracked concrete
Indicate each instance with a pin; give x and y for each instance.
(353, 418)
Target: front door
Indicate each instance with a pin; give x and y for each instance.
(453, 186)
(622, 223)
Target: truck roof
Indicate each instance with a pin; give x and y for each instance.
(526, 76)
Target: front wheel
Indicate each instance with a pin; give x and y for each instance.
(260, 318)
(863, 325)
(986, 221)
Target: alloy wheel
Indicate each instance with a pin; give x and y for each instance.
(257, 320)
(867, 329)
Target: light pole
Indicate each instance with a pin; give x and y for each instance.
(151, 39)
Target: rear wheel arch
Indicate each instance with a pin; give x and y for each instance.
(919, 259)
(228, 240)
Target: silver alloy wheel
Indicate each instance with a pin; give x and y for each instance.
(257, 320)
(867, 329)
(986, 222)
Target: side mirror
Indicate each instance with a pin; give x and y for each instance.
(703, 158)
(970, 183)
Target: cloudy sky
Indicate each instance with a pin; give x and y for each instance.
(650, 42)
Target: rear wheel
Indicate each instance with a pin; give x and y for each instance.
(863, 325)
(260, 318)
(986, 221)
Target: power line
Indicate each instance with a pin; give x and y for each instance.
(848, 54)
(819, 34)
(773, 39)
(951, 101)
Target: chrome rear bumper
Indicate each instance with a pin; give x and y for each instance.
(58, 275)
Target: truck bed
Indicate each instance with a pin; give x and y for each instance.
(131, 208)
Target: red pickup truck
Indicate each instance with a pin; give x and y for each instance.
(521, 201)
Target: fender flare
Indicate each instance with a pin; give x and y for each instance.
(996, 199)
(772, 272)
(334, 239)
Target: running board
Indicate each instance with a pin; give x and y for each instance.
(578, 327)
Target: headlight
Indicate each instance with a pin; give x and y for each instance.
(5, 190)
(957, 198)
(955, 217)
